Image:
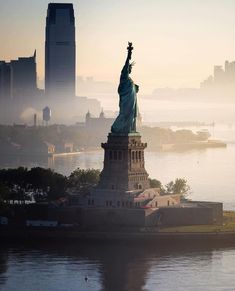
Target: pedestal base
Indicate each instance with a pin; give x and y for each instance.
(124, 163)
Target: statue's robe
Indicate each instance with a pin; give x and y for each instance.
(126, 120)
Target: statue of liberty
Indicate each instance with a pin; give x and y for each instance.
(126, 121)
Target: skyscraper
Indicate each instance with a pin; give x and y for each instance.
(60, 55)
(24, 77)
(18, 78)
(5, 80)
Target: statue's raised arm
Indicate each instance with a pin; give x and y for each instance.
(129, 49)
(127, 66)
(126, 121)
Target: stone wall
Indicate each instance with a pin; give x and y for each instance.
(107, 217)
(197, 214)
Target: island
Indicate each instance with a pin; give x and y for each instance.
(71, 139)
(120, 202)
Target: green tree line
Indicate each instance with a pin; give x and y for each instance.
(14, 183)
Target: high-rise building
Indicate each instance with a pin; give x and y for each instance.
(229, 71)
(24, 77)
(18, 78)
(5, 80)
(60, 55)
(218, 75)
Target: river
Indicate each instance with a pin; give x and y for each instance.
(209, 172)
(119, 267)
(116, 267)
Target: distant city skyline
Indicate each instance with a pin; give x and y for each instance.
(176, 42)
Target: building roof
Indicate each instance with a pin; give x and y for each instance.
(150, 191)
(51, 12)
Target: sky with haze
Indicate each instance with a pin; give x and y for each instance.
(176, 42)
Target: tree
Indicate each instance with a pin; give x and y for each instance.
(12, 177)
(4, 193)
(154, 183)
(37, 178)
(170, 187)
(48, 179)
(179, 186)
(84, 180)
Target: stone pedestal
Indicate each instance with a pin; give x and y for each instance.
(124, 167)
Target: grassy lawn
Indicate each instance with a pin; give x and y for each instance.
(228, 225)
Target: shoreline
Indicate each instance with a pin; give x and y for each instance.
(175, 147)
(191, 233)
(7, 234)
(210, 144)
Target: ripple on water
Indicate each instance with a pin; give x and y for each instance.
(116, 268)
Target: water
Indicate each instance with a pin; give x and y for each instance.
(117, 267)
(210, 172)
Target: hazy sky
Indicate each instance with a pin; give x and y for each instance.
(176, 42)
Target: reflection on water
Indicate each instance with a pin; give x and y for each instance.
(3, 267)
(210, 172)
(116, 267)
(120, 267)
(62, 164)
(83, 160)
(10, 161)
